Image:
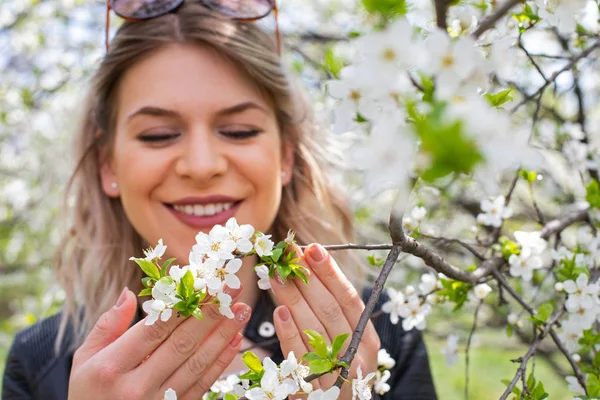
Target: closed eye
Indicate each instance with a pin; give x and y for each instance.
(154, 138)
(241, 134)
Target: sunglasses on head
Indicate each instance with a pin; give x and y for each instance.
(240, 10)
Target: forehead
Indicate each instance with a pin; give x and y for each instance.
(188, 78)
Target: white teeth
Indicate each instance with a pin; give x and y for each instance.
(200, 210)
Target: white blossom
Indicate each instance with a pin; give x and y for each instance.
(157, 252)
(225, 274)
(240, 234)
(360, 385)
(482, 290)
(524, 264)
(331, 394)
(290, 367)
(429, 282)
(451, 350)
(414, 314)
(264, 282)
(385, 360)
(393, 305)
(494, 212)
(217, 244)
(271, 387)
(263, 245)
(580, 293)
(380, 384)
(163, 299)
(532, 241)
(224, 302)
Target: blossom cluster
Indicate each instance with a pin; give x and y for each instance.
(213, 263)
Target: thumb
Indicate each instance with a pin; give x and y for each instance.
(110, 326)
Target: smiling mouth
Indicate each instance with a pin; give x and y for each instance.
(203, 210)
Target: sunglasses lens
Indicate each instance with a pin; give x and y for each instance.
(242, 9)
(143, 9)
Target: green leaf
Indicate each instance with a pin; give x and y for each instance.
(317, 341)
(333, 64)
(320, 366)
(593, 386)
(188, 283)
(252, 362)
(531, 380)
(198, 314)
(337, 344)
(252, 376)
(276, 254)
(163, 270)
(301, 274)
(593, 194)
(212, 395)
(148, 282)
(311, 356)
(386, 8)
(545, 311)
(145, 292)
(539, 393)
(148, 267)
(283, 271)
(230, 396)
(180, 306)
(375, 261)
(499, 98)
(515, 389)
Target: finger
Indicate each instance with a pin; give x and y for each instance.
(288, 295)
(330, 274)
(141, 340)
(289, 335)
(181, 344)
(208, 353)
(323, 303)
(110, 326)
(214, 372)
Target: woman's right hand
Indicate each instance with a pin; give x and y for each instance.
(142, 362)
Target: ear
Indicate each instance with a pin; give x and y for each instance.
(108, 177)
(287, 162)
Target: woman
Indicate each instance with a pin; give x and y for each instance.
(191, 120)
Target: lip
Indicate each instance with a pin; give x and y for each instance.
(208, 222)
(213, 198)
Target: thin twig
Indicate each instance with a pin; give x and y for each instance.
(469, 347)
(491, 19)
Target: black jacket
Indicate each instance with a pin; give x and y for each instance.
(34, 372)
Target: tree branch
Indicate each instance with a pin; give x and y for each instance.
(491, 19)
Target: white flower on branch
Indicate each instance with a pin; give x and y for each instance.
(429, 282)
(494, 212)
(385, 360)
(163, 299)
(393, 305)
(331, 394)
(451, 350)
(225, 274)
(580, 319)
(562, 253)
(240, 234)
(524, 264)
(416, 217)
(157, 252)
(380, 384)
(532, 241)
(581, 294)
(576, 153)
(360, 385)
(263, 245)
(570, 335)
(264, 282)
(290, 368)
(414, 314)
(216, 244)
(271, 387)
(224, 303)
(482, 290)
(226, 385)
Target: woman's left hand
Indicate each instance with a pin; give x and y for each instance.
(330, 305)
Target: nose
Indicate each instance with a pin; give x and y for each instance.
(202, 156)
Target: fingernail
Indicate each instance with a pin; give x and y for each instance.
(236, 340)
(317, 252)
(122, 297)
(279, 279)
(242, 312)
(284, 313)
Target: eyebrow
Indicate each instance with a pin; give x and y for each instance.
(163, 112)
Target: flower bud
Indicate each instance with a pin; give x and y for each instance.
(559, 287)
(576, 357)
(512, 318)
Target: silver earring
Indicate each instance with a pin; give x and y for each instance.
(114, 185)
(283, 174)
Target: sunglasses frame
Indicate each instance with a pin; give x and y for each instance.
(273, 10)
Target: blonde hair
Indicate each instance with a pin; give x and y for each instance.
(92, 261)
